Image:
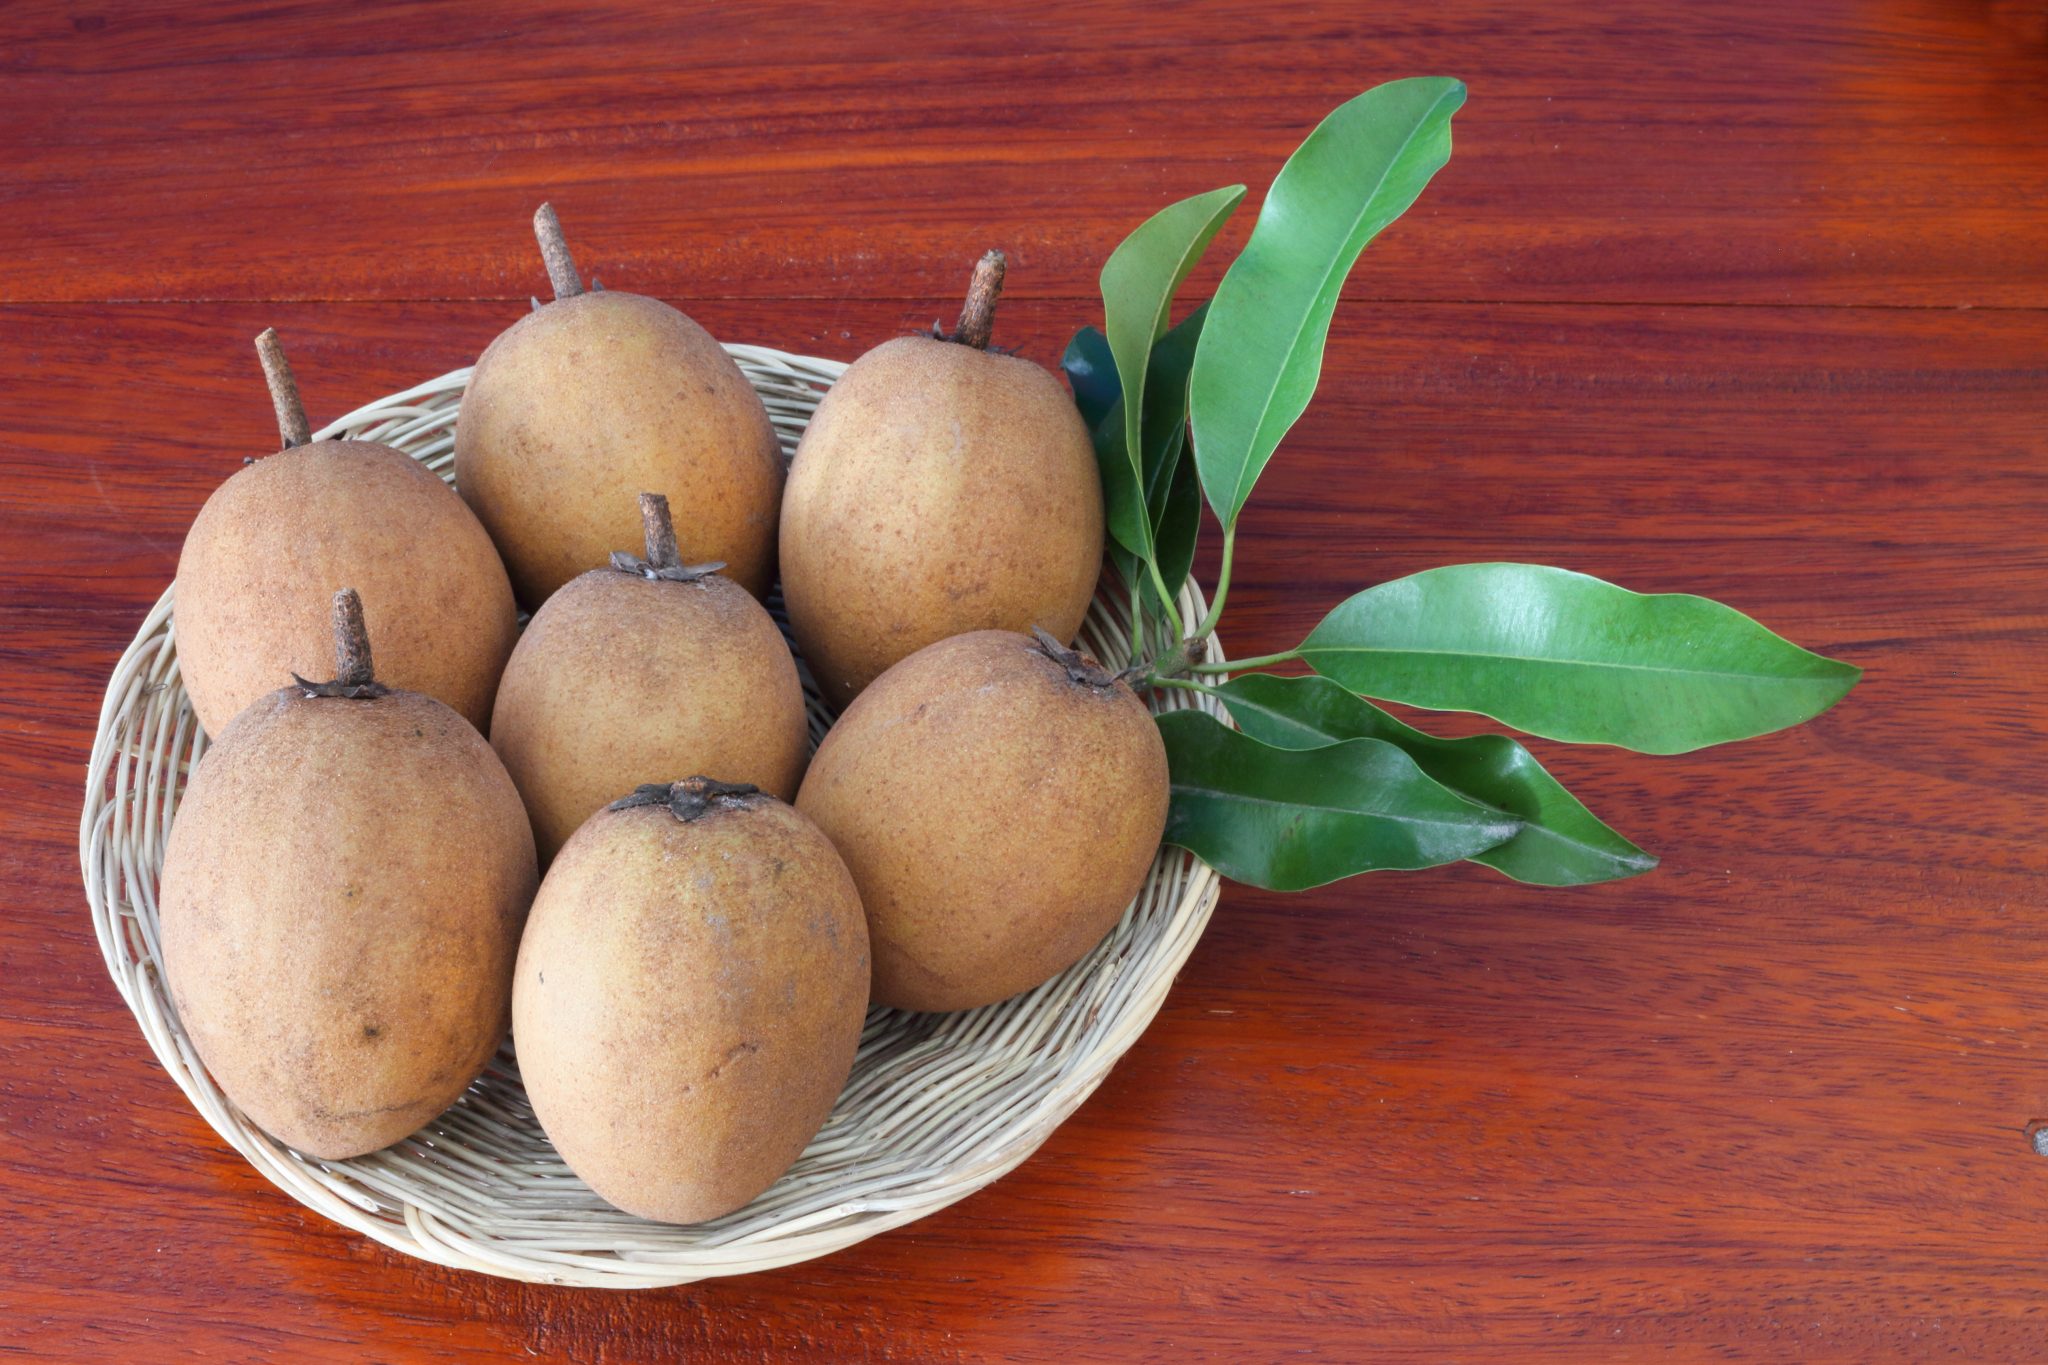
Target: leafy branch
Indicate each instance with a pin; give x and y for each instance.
(1316, 782)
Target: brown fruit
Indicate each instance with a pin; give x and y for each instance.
(691, 990)
(939, 489)
(341, 903)
(261, 558)
(587, 400)
(646, 666)
(999, 802)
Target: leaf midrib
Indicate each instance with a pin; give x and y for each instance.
(1308, 648)
(1220, 794)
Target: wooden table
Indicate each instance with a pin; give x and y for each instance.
(1746, 298)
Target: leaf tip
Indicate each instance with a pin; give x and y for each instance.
(1842, 679)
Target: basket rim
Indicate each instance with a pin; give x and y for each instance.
(148, 666)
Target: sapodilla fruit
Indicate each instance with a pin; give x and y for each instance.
(691, 990)
(589, 399)
(265, 551)
(341, 903)
(940, 488)
(999, 800)
(646, 666)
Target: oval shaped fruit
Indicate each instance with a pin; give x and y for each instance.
(690, 994)
(341, 902)
(258, 565)
(648, 665)
(589, 399)
(999, 802)
(940, 488)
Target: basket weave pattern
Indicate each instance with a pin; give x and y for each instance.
(937, 1106)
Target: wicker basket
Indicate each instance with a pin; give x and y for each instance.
(937, 1106)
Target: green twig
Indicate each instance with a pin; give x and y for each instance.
(1165, 597)
(1184, 684)
(1208, 626)
(1242, 665)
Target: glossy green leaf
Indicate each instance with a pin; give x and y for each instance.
(1290, 819)
(1573, 658)
(1091, 369)
(1560, 843)
(1262, 354)
(1173, 500)
(1123, 487)
(1178, 528)
(1098, 394)
(1138, 284)
(1172, 495)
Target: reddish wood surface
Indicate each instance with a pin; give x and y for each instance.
(1747, 298)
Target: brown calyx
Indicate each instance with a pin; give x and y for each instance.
(292, 426)
(978, 314)
(690, 798)
(354, 678)
(1081, 667)
(664, 561)
(554, 252)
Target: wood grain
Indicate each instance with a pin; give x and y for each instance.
(1887, 151)
(1771, 1102)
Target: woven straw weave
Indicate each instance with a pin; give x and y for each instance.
(937, 1106)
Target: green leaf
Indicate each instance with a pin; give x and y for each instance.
(1091, 369)
(1561, 843)
(1260, 361)
(1178, 528)
(1138, 284)
(1290, 819)
(1171, 494)
(1098, 394)
(1573, 658)
(1123, 488)
(1173, 500)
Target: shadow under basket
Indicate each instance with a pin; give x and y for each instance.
(938, 1105)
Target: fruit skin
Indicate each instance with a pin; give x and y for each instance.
(996, 814)
(268, 547)
(939, 489)
(689, 999)
(341, 903)
(619, 675)
(577, 407)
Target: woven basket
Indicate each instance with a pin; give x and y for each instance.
(937, 1106)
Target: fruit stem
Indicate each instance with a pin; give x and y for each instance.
(353, 676)
(1081, 668)
(691, 798)
(978, 314)
(284, 390)
(554, 250)
(351, 641)
(660, 531)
